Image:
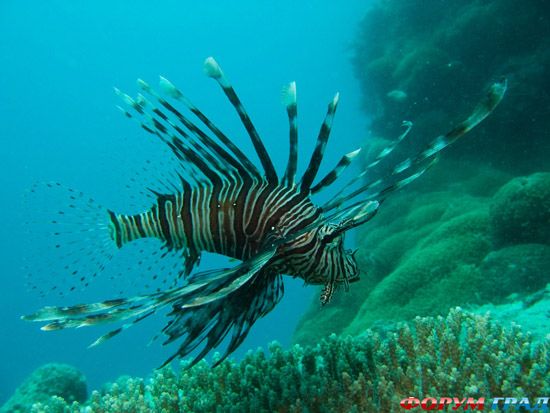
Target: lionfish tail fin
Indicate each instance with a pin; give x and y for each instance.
(76, 239)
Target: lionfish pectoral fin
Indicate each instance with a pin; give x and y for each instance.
(212, 320)
(202, 288)
(205, 289)
(327, 292)
(413, 167)
(191, 260)
(218, 283)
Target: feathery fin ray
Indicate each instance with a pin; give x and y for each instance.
(487, 104)
(318, 152)
(209, 289)
(289, 98)
(213, 70)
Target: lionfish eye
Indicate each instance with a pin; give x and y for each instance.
(334, 239)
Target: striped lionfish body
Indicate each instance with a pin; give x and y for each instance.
(231, 219)
(224, 204)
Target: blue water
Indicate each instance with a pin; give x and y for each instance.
(58, 63)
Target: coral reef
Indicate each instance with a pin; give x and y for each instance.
(520, 211)
(470, 231)
(522, 268)
(429, 251)
(461, 354)
(531, 312)
(60, 381)
(440, 54)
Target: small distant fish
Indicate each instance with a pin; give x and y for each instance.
(221, 202)
(397, 95)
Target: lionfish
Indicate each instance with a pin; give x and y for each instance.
(226, 205)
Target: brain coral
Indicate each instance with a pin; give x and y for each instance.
(525, 265)
(428, 251)
(520, 211)
(52, 379)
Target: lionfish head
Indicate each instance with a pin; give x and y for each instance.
(336, 264)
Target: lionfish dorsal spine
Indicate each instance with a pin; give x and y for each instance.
(240, 166)
(411, 168)
(187, 146)
(335, 173)
(171, 90)
(290, 100)
(389, 149)
(214, 71)
(318, 152)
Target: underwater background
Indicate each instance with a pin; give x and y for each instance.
(60, 62)
(473, 232)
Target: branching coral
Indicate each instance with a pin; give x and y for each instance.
(460, 355)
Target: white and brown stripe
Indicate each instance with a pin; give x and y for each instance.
(227, 206)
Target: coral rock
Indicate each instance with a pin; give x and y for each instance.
(49, 381)
(520, 211)
(523, 268)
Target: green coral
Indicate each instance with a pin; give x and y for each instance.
(459, 354)
(416, 257)
(427, 252)
(53, 379)
(529, 311)
(525, 265)
(438, 245)
(520, 211)
(441, 53)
